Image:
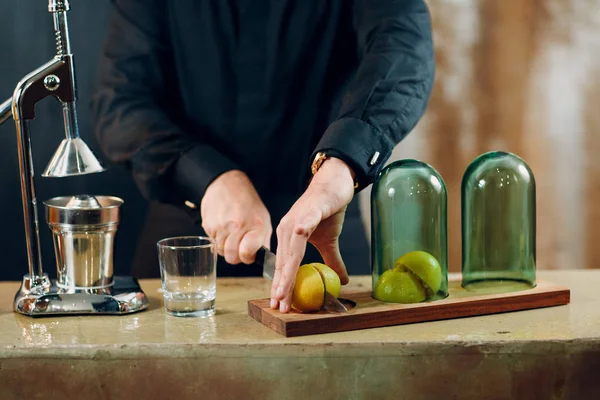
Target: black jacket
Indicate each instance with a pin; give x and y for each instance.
(190, 89)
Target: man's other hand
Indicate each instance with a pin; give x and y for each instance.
(235, 217)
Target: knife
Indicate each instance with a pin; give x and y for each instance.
(266, 259)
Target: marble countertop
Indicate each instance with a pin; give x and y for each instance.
(541, 352)
(153, 328)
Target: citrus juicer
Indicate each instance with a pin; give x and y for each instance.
(83, 226)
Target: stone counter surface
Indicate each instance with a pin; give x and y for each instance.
(544, 353)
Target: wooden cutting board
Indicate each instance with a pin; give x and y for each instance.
(370, 313)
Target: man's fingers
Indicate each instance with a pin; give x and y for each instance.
(293, 257)
(267, 239)
(232, 247)
(274, 285)
(307, 224)
(249, 245)
(290, 269)
(277, 277)
(286, 284)
(210, 232)
(267, 243)
(285, 305)
(292, 236)
(220, 239)
(283, 237)
(282, 244)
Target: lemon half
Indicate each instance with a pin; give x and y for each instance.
(415, 277)
(312, 280)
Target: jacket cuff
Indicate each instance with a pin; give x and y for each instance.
(195, 170)
(359, 145)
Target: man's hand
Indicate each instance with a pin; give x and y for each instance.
(317, 218)
(235, 217)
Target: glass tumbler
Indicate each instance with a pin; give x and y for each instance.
(188, 275)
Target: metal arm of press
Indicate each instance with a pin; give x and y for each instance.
(5, 111)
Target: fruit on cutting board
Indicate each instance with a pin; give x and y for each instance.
(415, 277)
(330, 279)
(312, 280)
(397, 286)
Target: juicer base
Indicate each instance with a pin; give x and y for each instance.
(44, 298)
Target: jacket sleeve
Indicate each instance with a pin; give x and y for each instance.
(390, 90)
(134, 104)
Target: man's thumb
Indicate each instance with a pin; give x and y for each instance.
(332, 257)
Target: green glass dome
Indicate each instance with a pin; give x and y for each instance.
(498, 223)
(409, 234)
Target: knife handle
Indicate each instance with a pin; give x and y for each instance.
(260, 256)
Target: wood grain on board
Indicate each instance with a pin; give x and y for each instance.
(371, 313)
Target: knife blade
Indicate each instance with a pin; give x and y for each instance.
(266, 259)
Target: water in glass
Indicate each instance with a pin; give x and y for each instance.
(188, 276)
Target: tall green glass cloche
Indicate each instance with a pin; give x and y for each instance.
(409, 234)
(498, 223)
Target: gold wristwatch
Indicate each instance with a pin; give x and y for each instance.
(320, 158)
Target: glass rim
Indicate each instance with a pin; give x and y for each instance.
(162, 242)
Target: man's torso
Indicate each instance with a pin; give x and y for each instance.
(261, 79)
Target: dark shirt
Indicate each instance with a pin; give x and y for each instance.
(191, 89)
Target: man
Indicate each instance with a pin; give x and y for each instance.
(255, 114)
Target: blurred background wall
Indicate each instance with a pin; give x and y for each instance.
(520, 76)
(514, 75)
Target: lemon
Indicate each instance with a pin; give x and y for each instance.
(311, 282)
(309, 290)
(416, 276)
(423, 265)
(399, 287)
(330, 278)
